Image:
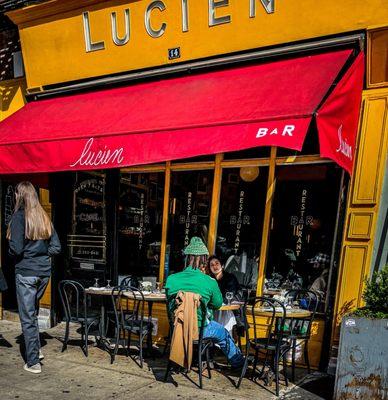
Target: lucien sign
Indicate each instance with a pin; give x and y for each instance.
(218, 14)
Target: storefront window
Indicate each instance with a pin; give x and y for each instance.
(240, 221)
(189, 214)
(140, 224)
(302, 227)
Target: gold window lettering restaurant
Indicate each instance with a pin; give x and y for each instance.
(260, 127)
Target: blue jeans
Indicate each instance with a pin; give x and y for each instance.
(29, 290)
(221, 336)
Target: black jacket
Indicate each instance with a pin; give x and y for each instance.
(229, 283)
(32, 257)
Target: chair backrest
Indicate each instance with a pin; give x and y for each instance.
(170, 316)
(309, 300)
(73, 298)
(128, 305)
(276, 315)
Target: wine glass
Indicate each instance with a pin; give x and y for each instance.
(158, 287)
(96, 285)
(229, 297)
(289, 301)
(108, 286)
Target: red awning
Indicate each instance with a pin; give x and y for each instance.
(269, 104)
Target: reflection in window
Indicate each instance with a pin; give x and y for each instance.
(302, 229)
(240, 221)
(190, 203)
(140, 223)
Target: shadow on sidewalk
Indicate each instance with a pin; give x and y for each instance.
(43, 342)
(4, 342)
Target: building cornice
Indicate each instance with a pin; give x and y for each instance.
(49, 9)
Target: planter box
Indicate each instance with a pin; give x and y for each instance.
(362, 368)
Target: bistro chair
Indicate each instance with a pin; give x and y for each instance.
(298, 330)
(203, 346)
(128, 306)
(245, 325)
(73, 298)
(273, 348)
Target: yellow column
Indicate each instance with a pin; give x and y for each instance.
(267, 221)
(44, 194)
(363, 204)
(166, 201)
(215, 204)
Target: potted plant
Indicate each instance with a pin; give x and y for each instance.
(363, 351)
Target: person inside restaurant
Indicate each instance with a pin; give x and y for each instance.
(191, 279)
(321, 262)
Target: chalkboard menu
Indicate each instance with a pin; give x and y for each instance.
(89, 204)
(88, 239)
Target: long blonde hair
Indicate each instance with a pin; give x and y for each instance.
(37, 222)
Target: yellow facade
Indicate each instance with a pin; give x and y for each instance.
(55, 52)
(363, 203)
(54, 46)
(11, 97)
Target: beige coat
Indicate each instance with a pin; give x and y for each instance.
(185, 328)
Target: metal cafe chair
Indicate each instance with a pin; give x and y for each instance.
(73, 298)
(128, 306)
(202, 345)
(298, 330)
(274, 347)
(245, 324)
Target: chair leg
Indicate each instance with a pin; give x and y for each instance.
(306, 356)
(86, 340)
(243, 371)
(167, 344)
(113, 355)
(285, 368)
(293, 359)
(66, 339)
(167, 370)
(208, 362)
(128, 346)
(276, 368)
(141, 350)
(255, 361)
(200, 365)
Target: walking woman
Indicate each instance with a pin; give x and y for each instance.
(32, 243)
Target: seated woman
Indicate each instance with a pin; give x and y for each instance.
(227, 282)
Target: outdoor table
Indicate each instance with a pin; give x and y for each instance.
(290, 312)
(233, 306)
(150, 298)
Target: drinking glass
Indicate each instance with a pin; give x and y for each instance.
(108, 286)
(229, 297)
(158, 286)
(96, 283)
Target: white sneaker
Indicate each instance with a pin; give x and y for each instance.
(41, 355)
(34, 369)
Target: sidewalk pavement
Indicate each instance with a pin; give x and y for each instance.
(70, 375)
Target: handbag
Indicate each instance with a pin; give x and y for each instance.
(3, 282)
